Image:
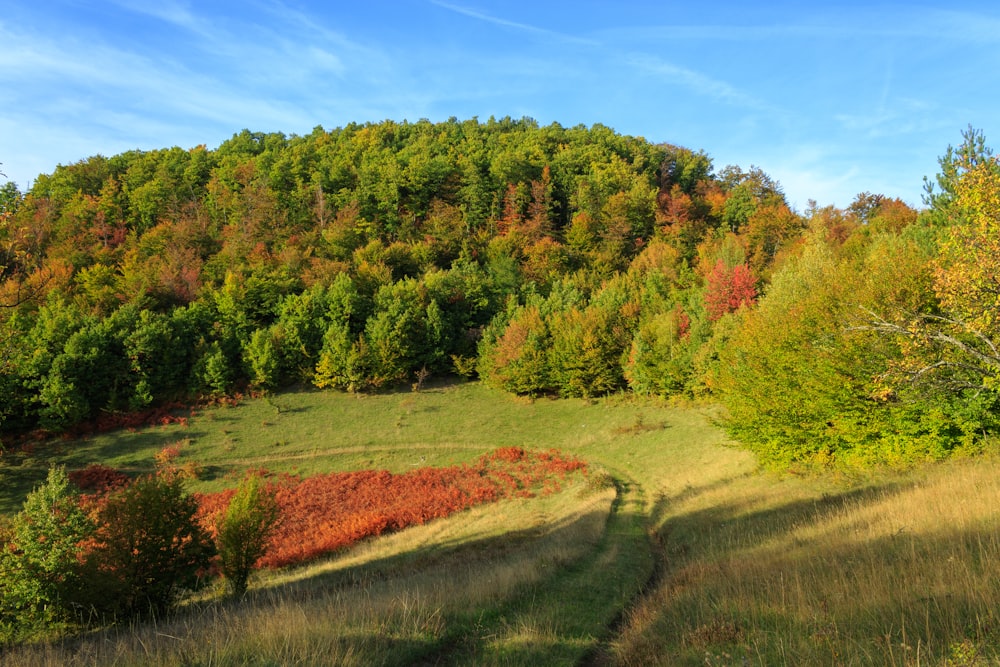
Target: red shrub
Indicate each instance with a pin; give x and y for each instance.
(97, 478)
(324, 513)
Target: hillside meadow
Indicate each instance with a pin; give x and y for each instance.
(673, 549)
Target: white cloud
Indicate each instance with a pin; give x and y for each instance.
(697, 82)
(524, 27)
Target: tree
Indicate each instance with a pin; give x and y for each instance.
(660, 359)
(806, 382)
(956, 347)
(344, 361)
(747, 191)
(90, 374)
(516, 358)
(244, 530)
(727, 289)
(262, 356)
(585, 351)
(973, 152)
(42, 562)
(150, 545)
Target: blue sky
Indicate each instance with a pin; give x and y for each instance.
(830, 99)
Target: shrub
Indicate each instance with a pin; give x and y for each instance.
(98, 478)
(150, 546)
(244, 531)
(41, 564)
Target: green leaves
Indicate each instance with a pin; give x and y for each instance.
(42, 561)
(244, 530)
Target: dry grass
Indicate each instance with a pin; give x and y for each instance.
(905, 571)
(391, 600)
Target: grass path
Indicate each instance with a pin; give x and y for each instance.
(564, 618)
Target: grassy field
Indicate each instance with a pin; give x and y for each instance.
(673, 551)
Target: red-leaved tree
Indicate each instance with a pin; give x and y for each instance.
(727, 289)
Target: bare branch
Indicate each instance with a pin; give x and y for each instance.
(981, 352)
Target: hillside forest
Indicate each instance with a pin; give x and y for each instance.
(546, 261)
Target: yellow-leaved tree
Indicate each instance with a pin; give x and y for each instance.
(956, 346)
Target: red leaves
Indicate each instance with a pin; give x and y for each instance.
(97, 478)
(727, 289)
(324, 513)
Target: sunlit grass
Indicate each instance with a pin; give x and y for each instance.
(308, 432)
(892, 568)
(904, 570)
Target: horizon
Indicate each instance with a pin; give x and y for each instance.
(829, 102)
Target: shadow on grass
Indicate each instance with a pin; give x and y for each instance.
(337, 607)
(741, 517)
(131, 452)
(808, 582)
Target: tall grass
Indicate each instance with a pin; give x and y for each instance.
(675, 551)
(904, 570)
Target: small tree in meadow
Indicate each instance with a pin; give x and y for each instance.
(150, 545)
(244, 531)
(41, 571)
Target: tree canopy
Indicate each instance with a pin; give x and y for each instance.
(546, 260)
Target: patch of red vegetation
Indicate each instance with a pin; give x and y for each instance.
(324, 513)
(98, 479)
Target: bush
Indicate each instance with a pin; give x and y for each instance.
(97, 478)
(244, 531)
(150, 546)
(41, 564)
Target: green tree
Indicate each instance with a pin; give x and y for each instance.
(89, 375)
(661, 356)
(586, 351)
(805, 381)
(159, 364)
(302, 321)
(343, 361)
(42, 571)
(214, 372)
(244, 530)
(262, 356)
(971, 153)
(396, 333)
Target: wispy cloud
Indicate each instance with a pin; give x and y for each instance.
(177, 14)
(489, 18)
(697, 82)
(827, 24)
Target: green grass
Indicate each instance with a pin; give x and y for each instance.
(674, 550)
(307, 432)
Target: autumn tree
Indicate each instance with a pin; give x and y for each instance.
(729, 288)
(513, 355)
(954, 347)
(150, 546)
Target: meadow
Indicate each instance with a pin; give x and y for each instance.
(674, 549)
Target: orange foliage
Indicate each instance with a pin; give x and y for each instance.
(324, 513)
(98, 479)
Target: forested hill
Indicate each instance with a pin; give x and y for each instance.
(545, 260)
